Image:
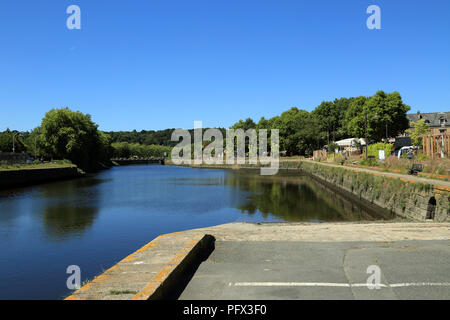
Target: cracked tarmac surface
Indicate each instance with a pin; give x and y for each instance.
(292, 270)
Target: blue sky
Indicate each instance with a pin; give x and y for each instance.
(156, 64)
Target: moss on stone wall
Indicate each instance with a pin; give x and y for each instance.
(406, 199)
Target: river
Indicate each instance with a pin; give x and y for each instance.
(94, 222)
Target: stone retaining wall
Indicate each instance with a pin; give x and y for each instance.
(14, 178)
(407, 199)
(12, 158)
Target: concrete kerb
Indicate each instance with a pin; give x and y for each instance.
(174, 275)
(168, 281)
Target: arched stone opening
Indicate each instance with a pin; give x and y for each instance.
(431, 209)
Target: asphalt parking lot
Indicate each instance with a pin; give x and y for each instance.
(296, 270)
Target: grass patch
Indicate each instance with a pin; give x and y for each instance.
(33, 166)
(85, 282)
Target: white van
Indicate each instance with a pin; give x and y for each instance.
(405, 150)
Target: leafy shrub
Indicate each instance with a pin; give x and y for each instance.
(373, 149)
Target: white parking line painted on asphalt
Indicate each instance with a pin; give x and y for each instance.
(421, 284)
(331, 284)
(288, 284)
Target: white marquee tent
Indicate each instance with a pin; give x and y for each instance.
(350, 142)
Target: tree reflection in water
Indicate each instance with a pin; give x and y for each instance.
(293, 197)
(69, 208)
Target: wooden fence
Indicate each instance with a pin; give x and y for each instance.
(319, 155)
(433, 144)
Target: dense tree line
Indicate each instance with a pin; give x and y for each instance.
(144, 137)
(302, 131)
(148, 137)
(64, 134)
(129, 150)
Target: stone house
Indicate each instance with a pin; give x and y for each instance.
(439, 122)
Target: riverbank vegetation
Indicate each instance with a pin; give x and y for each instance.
(129, 150)
(72, 136)
(301, 131)
(33, 166)
(145, 137)
(63, 135)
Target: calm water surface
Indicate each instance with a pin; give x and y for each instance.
(96, 221)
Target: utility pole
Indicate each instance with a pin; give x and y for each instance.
(14, 145)
(35, 138)
(365, 130)
(386, 133)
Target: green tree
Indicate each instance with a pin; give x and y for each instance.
(289, 124)
(73, 135)
(386, 114)
(340, 109)
(354, 117)
(381, 112)
(327, 118)
(263, 123)
(419, 128)
(34, 143)
(299, 131)
(330, 118)
(244, 125)
(121, 150)
(311, 137)
(6, 141)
